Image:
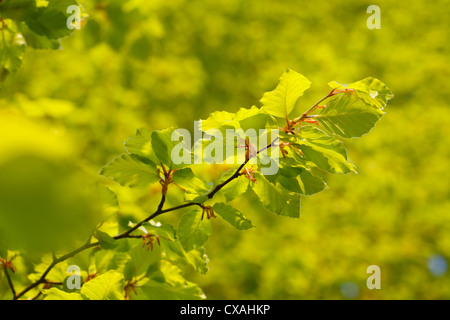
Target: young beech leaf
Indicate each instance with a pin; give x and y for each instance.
(193, 232)
(234, 188)
(19, 10)
(12, 51)
(141, 145)
(187, 180)
(198, 259)
(142, 258)
(131, 170)
(253, 118)
(51, 20)
(110, 260)
(326, 152)
(175, 253)
(219, 119)
(232, 216)
(165, 231)
(105, 240)
(57, 294)
(38, 41)
(299, 180)
(155, 290)
(281, 101)
(246, 118)
(162, 145)
(275, 198)
(372, 91)
(108, 286)
(172, 286)
(348, 116)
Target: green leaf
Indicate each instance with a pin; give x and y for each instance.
(154, 290)
(108, 286)
(348, 116)
(251, 118)
(281, 101)
(37, 41)
(193, 232)
(234, 188)
(219, 119)
(19, 10)
(165, 231)
(12, 51)
(56, 294)
(141, 145)
(106, 260)
(187, 180)
(157, 146)
(213, 149)
(299, 180)
(142, 258)
(232, 216)
(105, 240)
(174, 286)
(275, 198)
(372, 91)
(324, 151)
(131, 170)
(198, 259)
(52, 20)
(174, 251)
(163, 145)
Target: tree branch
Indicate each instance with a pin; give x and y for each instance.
(52, 265)
(127, 234)
(10, 283)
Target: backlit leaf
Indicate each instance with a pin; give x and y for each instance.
(193, 232)
(281, 101)
(348, 116)
(131, 170)
(232, 216)
(186, 179)
(57, 294)
(275, 198)
(108, 286)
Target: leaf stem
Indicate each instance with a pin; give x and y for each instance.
(305, 114)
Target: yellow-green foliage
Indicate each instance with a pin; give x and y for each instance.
(159, 63)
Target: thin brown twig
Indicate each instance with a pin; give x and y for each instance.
(10, 283)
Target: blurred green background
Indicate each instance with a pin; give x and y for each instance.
(159, 63)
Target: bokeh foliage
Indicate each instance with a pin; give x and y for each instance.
(157, 64)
